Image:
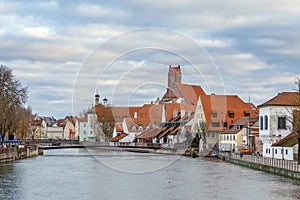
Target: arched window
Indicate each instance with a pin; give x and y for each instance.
(147, 128)
(133, 128)
(140, 128)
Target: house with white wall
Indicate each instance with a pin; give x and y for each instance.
(88, 127)
(275, 124)
(70, 128)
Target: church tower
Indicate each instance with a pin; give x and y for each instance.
(97, 99)
(174, 76)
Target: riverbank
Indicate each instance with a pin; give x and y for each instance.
(275, 166)
(14, 153)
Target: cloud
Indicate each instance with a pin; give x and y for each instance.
(249, 48)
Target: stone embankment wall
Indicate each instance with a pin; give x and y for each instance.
(11, 154)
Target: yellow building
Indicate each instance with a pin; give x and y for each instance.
(237, 135)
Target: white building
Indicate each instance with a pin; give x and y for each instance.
(88, 127)
(275, 123)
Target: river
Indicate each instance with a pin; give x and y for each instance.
(93, 174)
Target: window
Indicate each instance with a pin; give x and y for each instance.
(230, 137)
(91, 132)
(231, 114)
(261, 122)
(266, 122)
(233, 137)
(266, 150)
(281, 123)
(84, 132)
(133, 128)
(275, 151)
(214, 114)
(140, 128)
(147, 128)
(247, 113)
(212, 134)
(286, 152)
(84, 125)
(215, 124)
(225, 124)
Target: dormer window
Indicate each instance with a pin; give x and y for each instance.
(175, 113)
(214, 114)
(140, 128)
(231, 114)
(215, 124)
(247, 113)
(133, 128)
(147, 128)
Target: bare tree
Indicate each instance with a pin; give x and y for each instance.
(296, 115)
(106, 122)
(202, 128)
(12, 97)
(293, 115)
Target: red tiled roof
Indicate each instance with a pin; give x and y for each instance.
(288, 141)
(119, 128)
(283, 99)
(222, 105)
(118, 137)
(149, 134)
(190, 93)
(83, 119)
(165, 132)
(35, 122)
(175, 130)
(169, 94)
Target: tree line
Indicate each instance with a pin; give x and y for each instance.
(14, 116)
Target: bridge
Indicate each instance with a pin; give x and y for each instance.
(54, 143)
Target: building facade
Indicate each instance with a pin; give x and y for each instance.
(275, 123)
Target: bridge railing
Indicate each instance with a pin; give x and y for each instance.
(283, 164)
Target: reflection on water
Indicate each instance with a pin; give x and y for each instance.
(75, 174)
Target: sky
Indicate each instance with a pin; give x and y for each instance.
(66, 51)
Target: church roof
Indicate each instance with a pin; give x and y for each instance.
(190, 92)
